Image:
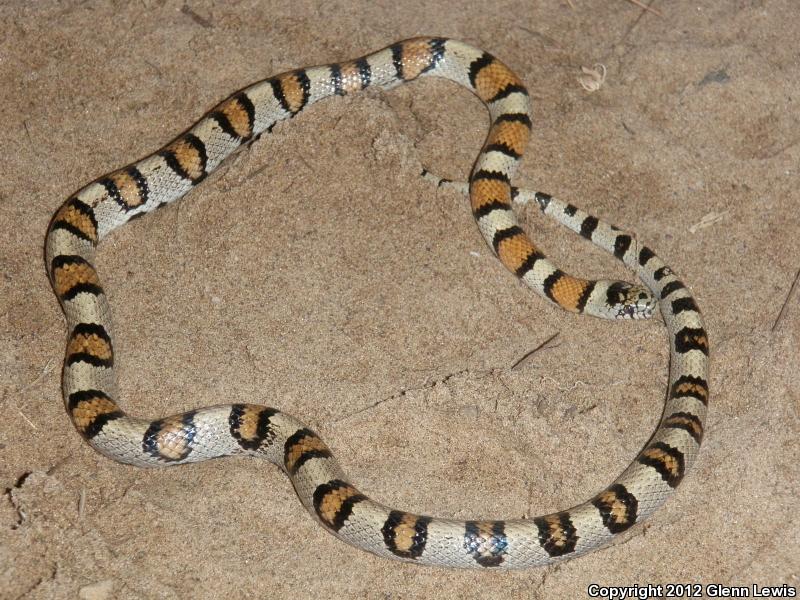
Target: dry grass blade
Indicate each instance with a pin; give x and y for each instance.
(646, 7)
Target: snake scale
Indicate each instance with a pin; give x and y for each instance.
(89, 384)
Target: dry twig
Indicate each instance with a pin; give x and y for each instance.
(517, 364)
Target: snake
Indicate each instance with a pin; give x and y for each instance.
(89, 383)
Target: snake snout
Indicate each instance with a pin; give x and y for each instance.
(631, 301)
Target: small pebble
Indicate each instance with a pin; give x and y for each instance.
(97, 591)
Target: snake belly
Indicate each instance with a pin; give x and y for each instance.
(89, 382)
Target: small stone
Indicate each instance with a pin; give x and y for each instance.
(97, 591)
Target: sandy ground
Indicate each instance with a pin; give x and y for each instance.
(318, 274)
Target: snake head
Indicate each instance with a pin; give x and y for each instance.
(628, 301)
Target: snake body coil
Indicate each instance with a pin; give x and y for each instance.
(89, 382)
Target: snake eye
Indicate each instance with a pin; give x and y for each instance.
(617, 293)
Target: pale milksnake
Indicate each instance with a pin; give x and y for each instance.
(89, 383)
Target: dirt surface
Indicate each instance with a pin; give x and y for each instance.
(317, 273)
